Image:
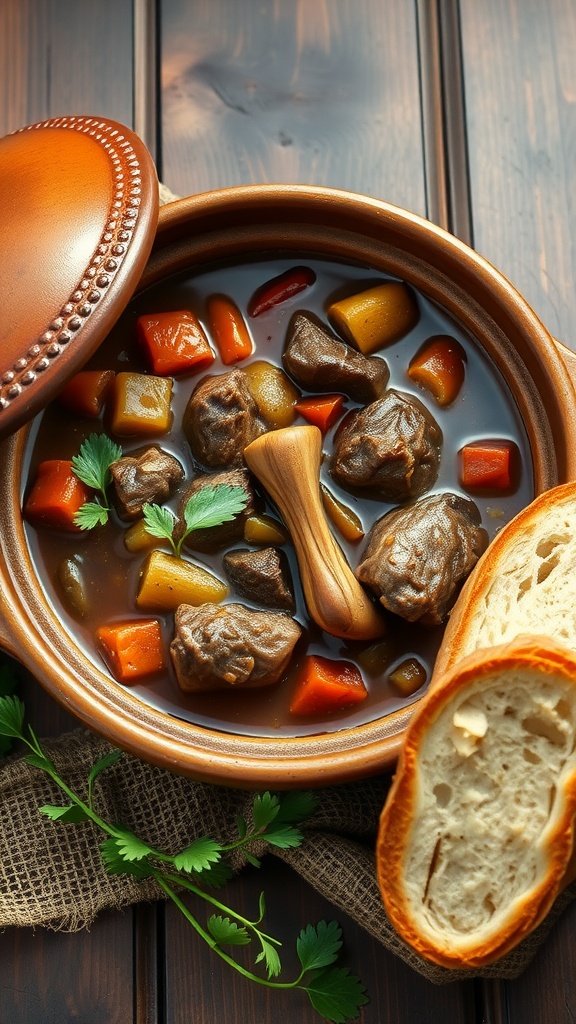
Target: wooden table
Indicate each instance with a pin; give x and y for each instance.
(460, 110)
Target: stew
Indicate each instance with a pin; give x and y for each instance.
(413, 419)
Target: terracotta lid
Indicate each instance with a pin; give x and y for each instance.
(78, 212)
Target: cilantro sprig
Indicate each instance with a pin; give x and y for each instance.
(334, 992)
(92, 467)
(209, 506)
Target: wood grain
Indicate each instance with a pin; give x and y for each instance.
(65, 57)
(292, 91)
(210, 994)
(520, 95)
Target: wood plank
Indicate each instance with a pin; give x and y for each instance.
(320, 93)
(54, 977)
(64, 57)
(212, 992)
(520, 85)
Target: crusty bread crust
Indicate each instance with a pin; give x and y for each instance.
(524, 583)
(521, 829)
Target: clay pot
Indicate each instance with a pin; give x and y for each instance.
(230, 224)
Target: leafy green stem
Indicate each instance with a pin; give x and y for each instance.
(161, 879)
(335, 993)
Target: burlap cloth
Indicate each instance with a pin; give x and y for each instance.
(52, 874)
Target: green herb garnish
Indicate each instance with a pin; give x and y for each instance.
(209, 506)
(335, 993)
(92, 467)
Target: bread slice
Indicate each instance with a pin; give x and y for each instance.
(477, 831)
(524, 583)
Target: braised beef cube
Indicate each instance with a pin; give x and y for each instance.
(221, 418)
(147, 476)
(262, 576)
(418, 556)
(319, 361)
(230, 646)
(391, 447)
(213, 538)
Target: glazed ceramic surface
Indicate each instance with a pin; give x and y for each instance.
(247, 222)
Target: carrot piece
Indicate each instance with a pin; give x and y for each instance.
(324, 686)
(175, 342)
(489, 465)
(438, 366)
(56, 496)
(86, 392)
(279, 289)
(229, 329)
(131, 649)
(321, 411)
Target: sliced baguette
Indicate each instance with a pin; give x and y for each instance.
(477, 831)
(524, 583)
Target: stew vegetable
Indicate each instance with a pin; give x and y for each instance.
(166, 557)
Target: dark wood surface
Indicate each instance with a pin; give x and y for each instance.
(464, 112)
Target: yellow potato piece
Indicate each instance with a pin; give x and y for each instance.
(167, 581)
(376, 317)
(264, 530)
(141, 404)
(343, 518)
(273, 391)
(137, 538)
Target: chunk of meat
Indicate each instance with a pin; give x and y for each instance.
(417, 557)
(392, 447)
(221, 418)
(319, 361)
(148, 476)
(212, 538)
(224, 647)
(261, 576)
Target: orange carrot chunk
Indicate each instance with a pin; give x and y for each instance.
(438, 366)
(85, 393)
(131, 649)
(56, 496)
(489, 465)
(174, 342)
(324, 686)
(321, 411)
(228, 329)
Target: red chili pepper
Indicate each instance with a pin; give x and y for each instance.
(280, 288)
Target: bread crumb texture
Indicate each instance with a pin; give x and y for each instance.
(533, 588)
(490, 793)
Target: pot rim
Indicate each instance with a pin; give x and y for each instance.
(32, 631)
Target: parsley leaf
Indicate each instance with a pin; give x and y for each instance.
(318, 947)
(92, 467)
(209, 506)
(198, 856)
(337, 995)
(265, 809)
(12, 717)
(270, 957)
(70, 813)
(91, 514)
(227, 932)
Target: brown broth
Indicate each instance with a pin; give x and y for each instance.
(483, 409)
